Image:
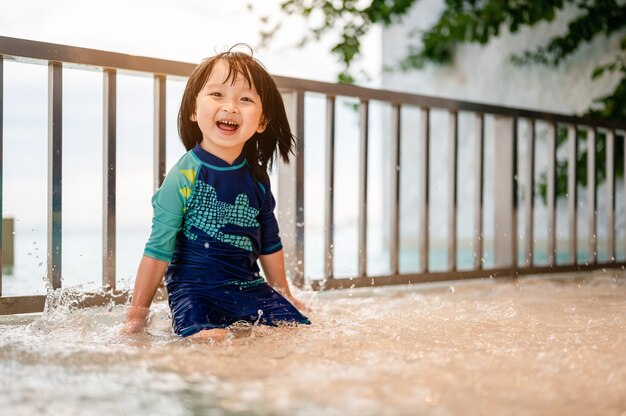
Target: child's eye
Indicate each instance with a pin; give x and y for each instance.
(247, 99)
(215, 94)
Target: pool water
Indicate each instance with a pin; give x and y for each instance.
(533, 346)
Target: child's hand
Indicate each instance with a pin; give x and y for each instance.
(300, 305)
(135, 321)
(132, 327)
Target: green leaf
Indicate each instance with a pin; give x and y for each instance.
(597, 72)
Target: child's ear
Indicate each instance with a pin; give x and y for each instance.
(193, 117)
(262, 125)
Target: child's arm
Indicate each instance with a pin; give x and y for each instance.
(149, 275)
(274, 269)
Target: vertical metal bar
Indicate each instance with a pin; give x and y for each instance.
(424, 189)
(109, 119)
(329, 217)
(159, 130)
(299, 162)
(453, 139)
(514, 196)
(592, 194)
(572, 192)
(55, 164)
(530, 192)
(394, 232)
(291, 193)
(363, 169)
(479, 200)
(1, 163)
(551, 193)
(610, 182)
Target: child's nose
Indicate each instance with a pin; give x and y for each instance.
(230, 106)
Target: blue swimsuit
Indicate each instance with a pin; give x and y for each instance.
(211, 222)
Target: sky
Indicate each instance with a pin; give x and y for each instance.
(184, 30)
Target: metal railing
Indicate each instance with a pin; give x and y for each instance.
(291, 177)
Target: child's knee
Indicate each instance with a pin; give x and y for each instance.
(215, 334)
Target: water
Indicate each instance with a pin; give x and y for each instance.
(533, 346)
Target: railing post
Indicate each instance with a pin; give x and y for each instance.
(291, 193)
(503, 192)
(394, 220)
(109, 120)
(453, 160)
(572, 192)
(479, 198)
(1, 168)
(159, 130)
(551, 193)
(8, 243)
(363, 169)
(425, 189)
(329, 217)
(55, 164)
(514, 198)
(529, 205)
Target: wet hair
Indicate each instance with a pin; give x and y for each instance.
(262, 148)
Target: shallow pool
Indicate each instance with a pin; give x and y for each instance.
(538, 345)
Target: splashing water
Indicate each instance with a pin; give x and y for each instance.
(529, 346)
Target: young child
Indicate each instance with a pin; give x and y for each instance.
(214, 214)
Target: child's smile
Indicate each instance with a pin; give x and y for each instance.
(228, 112)
(227, 126)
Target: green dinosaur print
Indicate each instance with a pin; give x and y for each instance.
(208, 214)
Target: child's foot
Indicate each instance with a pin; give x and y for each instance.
(216, 335)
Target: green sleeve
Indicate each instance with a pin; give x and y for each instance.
(169, 203)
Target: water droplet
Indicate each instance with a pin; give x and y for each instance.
(432, 398)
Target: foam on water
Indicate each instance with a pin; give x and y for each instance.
(528, 346)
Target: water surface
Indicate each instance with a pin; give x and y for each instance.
(533, 346)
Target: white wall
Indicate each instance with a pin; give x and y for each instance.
(485, 73)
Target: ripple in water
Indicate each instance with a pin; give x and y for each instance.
(541, 345)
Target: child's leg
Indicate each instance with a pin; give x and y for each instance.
(215, 334)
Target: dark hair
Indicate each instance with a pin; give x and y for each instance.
(262, 148)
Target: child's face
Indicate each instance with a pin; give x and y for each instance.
(228, 113)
